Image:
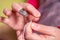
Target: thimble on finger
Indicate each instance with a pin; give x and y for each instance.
(23, 12)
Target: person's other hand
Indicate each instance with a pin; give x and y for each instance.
(45, 32)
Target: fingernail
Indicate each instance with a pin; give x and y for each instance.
(37, 13)
(16, 7)
(34, 25)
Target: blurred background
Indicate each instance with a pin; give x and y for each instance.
(7, 33)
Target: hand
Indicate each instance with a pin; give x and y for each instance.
(46, 32)
(16, 20)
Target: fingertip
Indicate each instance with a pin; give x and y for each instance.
(16, 7)
(38, 14)
(33, 25)
(35, 19)
(28, 28)
(7, 12)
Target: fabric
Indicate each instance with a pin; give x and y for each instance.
(50, 12)
(35, 3)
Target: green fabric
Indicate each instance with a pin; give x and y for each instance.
(7, 4)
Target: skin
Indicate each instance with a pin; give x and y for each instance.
(46, 32)
(18, 22)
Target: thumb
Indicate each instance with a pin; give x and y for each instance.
(29, 35)
(44, 29)
(28, 29)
